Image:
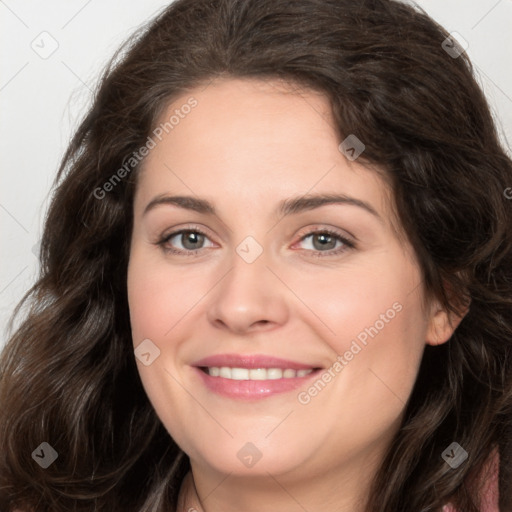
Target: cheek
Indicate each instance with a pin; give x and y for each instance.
(158, 296)
(356, 302)
(158, 301)
(371, 316)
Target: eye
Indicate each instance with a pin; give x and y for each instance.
(324, 242)
(190, 239)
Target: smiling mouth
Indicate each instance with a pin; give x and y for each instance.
(255, 373)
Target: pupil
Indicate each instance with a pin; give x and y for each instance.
(190, 236)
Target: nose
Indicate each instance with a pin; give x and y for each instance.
(249, 298)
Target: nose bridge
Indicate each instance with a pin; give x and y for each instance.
(247, 278)
(249, 293)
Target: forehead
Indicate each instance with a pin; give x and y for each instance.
(257, 141)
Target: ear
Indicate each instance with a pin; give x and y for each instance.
(442, 323)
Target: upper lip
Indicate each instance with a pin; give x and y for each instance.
(251, 361)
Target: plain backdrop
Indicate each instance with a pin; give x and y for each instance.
(52, 53)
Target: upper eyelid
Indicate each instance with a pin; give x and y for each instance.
(177, 231)
(303, 232)
(318, 228)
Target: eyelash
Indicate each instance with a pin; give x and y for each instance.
(333, 252)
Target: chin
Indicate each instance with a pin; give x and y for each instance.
(247, 459)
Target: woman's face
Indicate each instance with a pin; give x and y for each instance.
(255, 279)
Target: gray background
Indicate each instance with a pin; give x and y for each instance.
(42, 98)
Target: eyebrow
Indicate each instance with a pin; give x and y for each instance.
(286, 207)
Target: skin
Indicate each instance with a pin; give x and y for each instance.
(247, 145)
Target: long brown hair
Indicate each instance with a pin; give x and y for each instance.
(68, 375)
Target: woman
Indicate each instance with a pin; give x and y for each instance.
(340, 338)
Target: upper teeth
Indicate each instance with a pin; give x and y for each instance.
(256, 373)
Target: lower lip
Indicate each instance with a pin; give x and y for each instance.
(252, 389)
